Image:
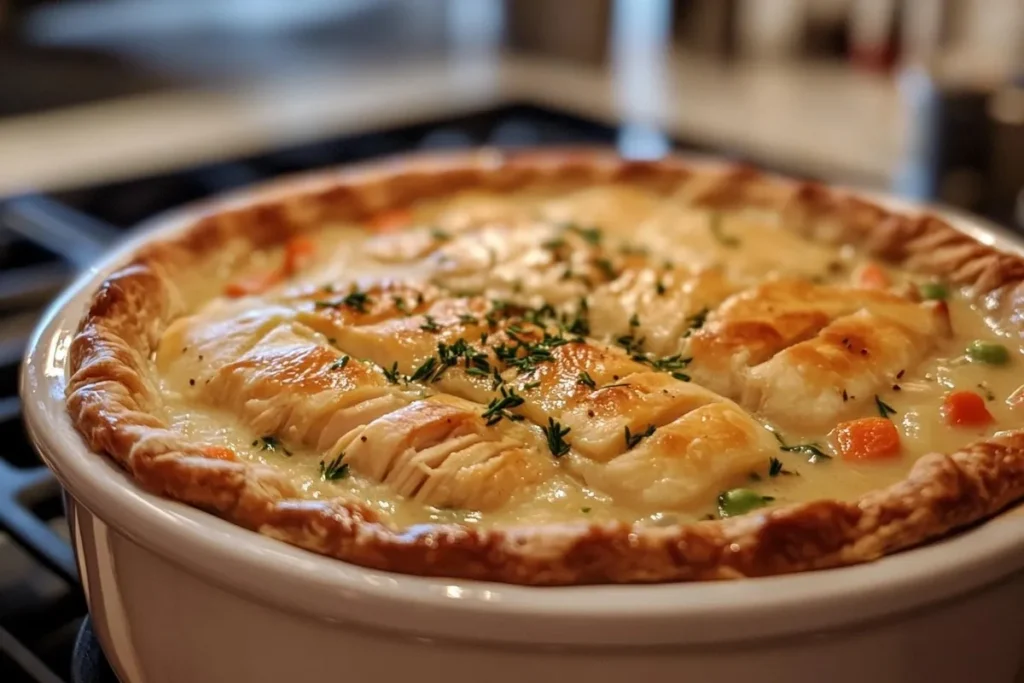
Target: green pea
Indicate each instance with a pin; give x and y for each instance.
(988, 352)
(933, 290)
(740, 501)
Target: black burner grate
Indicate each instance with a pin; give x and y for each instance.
(45, 239)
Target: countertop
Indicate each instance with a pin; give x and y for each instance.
(825, 120)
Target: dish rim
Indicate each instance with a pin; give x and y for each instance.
(149, 519)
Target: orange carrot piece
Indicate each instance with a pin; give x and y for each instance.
(392, 219)
(870, 438)
(965, 409)
(219, 453)
(872, 276)
(297, 253)
(257, 283)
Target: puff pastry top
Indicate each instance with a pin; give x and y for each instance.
(507, 368)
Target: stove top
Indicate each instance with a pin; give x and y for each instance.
(45, 239)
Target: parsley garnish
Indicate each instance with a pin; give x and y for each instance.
(633, 250)
(340, 363)
(631, 344)
(335, 469)
(468, 319)
(697, 320)
(591, 236)
(440, 235)
(659, 287)
(580, 324)
(775, 468)
(555, 435)
(531, 385)
(606, 268)
(585, 378)
(270, 443)
(429, 324)
(553, 244)
(715, 225)
(884, 409)
(499, 407)
(633, 439)
(427, 371)
(812, 449)
(634, 320)
(356, 300)
(392, 375)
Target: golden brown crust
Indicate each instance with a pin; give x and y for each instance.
(110, 397)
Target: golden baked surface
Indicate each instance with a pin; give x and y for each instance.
(561, 367)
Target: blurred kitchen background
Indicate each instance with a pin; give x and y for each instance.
(112, 111)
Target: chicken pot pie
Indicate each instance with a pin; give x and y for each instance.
(562, 367)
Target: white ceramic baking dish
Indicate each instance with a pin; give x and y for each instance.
(179, 596)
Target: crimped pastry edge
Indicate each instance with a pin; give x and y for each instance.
(110, 396)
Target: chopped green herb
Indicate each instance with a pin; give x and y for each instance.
(660, 288)
(812, 449)
(585, 510)
(715, 225)
(440, 235)
(356, 300)
(632, 250)
(427, 372)
(631, 344)
(586, 379)
(429, 324)
(775, 468)
(606, 268)
(633, 439)
(270, 443)
(340, 363)
(935, 291)
(671, 363)
(634, 320)
(740, 501)
(499, 407)
(697, 320)
(555, 435)
(401, 306)
(335, 469)
(988, 353)
(554, 244)
(392, 375)
(884, 409)
(531, 385)
(468, 319)
(591, 236)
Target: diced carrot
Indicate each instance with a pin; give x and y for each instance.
(219, 453)
(393, 219)
(965, 409)
(257, 283)
(870, 438)
(297, 253)
(871, 276)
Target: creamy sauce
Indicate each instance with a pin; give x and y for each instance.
(750, 247)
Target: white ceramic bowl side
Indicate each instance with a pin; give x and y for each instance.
(179, 596)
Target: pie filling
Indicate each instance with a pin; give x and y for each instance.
(599, 354)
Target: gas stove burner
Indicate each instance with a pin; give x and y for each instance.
(88, 663)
